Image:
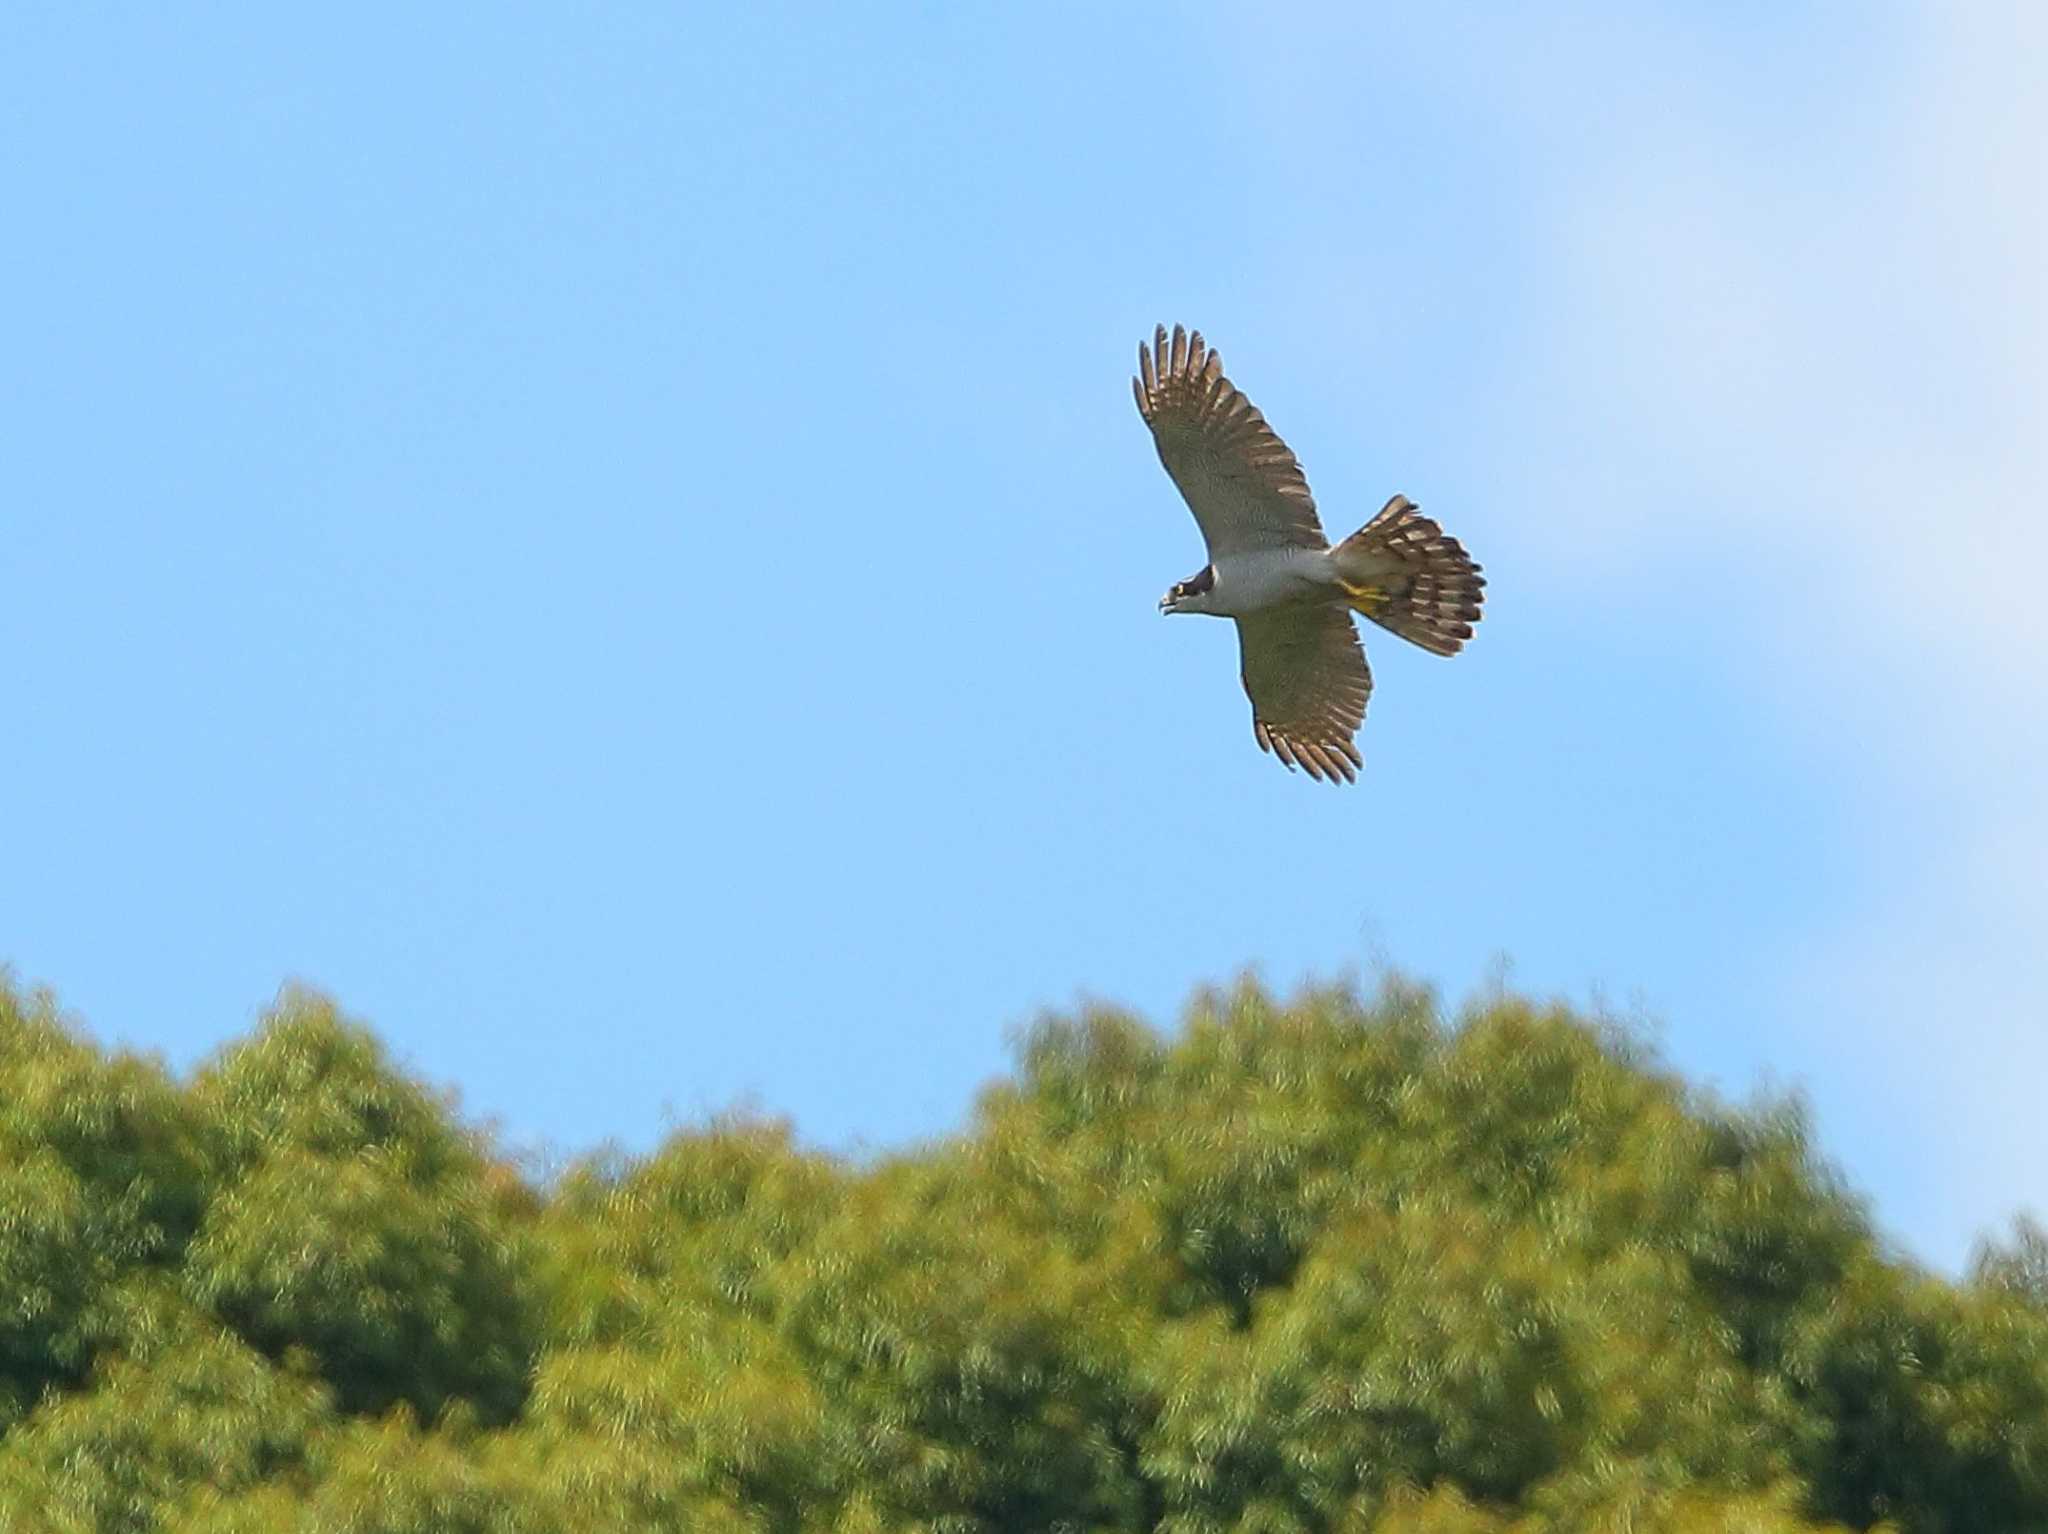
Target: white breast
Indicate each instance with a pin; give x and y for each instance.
(1262, 578)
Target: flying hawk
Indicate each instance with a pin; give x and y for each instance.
(1271, 568)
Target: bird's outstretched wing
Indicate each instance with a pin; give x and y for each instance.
(1306, 675)
(1245, 488)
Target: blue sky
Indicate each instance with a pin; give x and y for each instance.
(615, 540)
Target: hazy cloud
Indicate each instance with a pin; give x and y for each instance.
(1829, 332)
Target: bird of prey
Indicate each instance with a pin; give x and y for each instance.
(1271, 569)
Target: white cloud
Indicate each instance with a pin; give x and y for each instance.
(1836, 337)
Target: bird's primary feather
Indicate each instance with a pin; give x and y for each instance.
(1306, 675)
(1245, 488)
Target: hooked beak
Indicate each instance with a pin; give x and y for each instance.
(1165, 606)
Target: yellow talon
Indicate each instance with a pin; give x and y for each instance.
(1366, 599)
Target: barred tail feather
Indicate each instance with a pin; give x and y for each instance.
(1411, 577)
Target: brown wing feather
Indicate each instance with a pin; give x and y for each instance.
(1306, 675)
(1240, 480)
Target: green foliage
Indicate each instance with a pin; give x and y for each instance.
(99, 1179)
(387, 1477)
(351, 1217)
(1934, 1405)
(1303, 1267)
(183, 1411)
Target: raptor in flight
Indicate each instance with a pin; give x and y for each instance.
(1271, 569)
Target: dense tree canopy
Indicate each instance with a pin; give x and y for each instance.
(1327, 1265)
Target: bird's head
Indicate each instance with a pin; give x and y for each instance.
(1192, 594)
